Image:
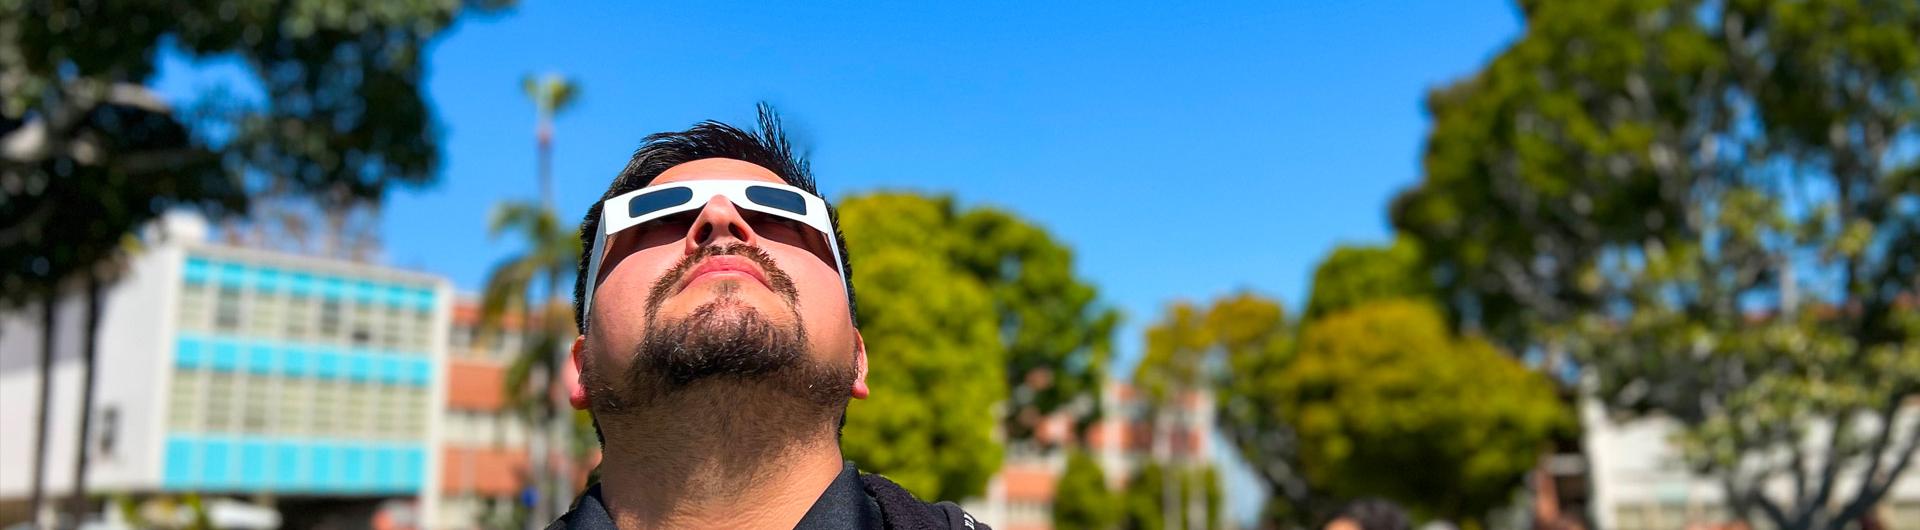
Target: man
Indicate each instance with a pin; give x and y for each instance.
(718, 347)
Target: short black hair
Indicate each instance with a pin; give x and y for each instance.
(768, 148)
(1374, 514)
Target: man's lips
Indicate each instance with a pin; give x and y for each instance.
(723, 265)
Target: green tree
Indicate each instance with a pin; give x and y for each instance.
(1705, 205)
(1353, 275)
(1057, 334)
(1145, 510)
(92, 153)
(1142, 498)
(1047, 336)
(1246, 334)
(936, 361)
(518, 284)
(1387, 402)
(1082, 500)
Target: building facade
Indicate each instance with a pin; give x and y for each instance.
(1640, 482)
(306, 384)
(1125, 440)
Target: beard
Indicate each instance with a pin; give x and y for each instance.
(726, 349)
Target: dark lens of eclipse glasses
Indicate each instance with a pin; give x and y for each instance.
(658, 200)
(777, 198)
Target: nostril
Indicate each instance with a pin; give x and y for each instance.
(700, 234)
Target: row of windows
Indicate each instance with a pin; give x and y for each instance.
(269, 278)
(220, 402)
(475, 429)
(468, 343)
(233, 310)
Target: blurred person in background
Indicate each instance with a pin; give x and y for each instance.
(1370, 514)
(718, 346)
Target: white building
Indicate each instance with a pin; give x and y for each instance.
(1640, 482)
(304, 383)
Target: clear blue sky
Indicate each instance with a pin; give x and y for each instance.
(1183, 152)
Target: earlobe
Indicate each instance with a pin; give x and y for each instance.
(576, 391)
(860, 366)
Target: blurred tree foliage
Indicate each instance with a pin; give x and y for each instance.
(90, 153)
(1712, 207)
(1144, 510)
(1081, 499)
(1387, 402)
(962, 310)
(1354, 274)
(1057, 334)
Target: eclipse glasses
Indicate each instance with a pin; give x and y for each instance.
(654, 203)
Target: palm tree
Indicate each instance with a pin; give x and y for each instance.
(551, 95)
(552, 250)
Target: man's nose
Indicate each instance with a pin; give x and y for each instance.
(719, 222)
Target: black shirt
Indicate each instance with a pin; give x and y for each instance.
(851, 501)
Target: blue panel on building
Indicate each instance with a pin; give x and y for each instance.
(359, 367)
(253, 464)
(287, 457)
(325, 467)
(233, 275)
(197, 270)
(333, 288)
(226, 355)
(260, 358)
(268, 279)
(182, 461)
(301, 284)
(295, 362)
(216, 463)
(189, 352)
(328, 364)
(353, 465)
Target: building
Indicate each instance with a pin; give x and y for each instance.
(1639, 481)
(1021, 496)
(486, 472)
(308, 385)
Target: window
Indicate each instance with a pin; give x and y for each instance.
(329, 319)
(255, 410)
(193, 307)
(299, 317)
(227, 310)
(266, 314)
(325, 406)
(294, 404)
(219, 399)
(183, 400)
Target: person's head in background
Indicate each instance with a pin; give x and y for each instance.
(1369, 514)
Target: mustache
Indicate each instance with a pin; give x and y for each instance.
(777, 279)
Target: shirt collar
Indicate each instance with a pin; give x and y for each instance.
(844, 504)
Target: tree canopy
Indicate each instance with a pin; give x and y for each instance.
(1387, 402)
(93, 154)
(1707, 205)
(937, 364)
(1081, 499)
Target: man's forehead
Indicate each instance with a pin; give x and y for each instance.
(717, 169)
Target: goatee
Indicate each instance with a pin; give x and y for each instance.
(725, 345)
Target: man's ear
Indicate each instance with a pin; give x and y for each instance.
(860, 366)
(576, 392)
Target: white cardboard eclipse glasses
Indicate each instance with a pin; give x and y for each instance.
(652, 203)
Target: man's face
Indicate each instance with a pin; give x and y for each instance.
(719, 291)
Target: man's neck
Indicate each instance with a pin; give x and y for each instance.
(715, 457)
